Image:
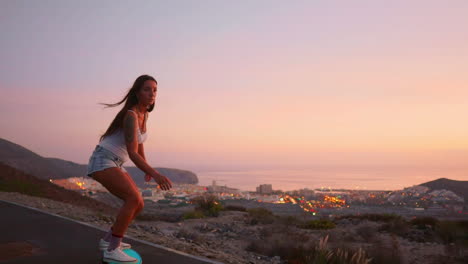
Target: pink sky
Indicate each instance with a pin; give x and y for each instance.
(243, 85)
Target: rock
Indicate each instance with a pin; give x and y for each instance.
(276, 259)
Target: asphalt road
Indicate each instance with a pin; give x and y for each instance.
(29, 235)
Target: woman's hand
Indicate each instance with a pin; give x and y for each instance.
(162, 180)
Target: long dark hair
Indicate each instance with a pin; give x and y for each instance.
(130, 100)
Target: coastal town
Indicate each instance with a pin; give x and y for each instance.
(412, 201)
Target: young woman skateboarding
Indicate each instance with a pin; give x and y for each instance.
(123, 140)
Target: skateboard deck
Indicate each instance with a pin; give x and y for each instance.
(131, 253)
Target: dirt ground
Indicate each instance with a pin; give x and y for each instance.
(226, 237)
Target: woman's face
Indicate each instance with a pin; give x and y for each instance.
(147, 94)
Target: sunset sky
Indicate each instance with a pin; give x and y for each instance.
(243, 84)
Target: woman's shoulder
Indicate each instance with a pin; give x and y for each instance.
(131, 112)
(131, 116)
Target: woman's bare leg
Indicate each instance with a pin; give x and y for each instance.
(137, 210)
(120, 185)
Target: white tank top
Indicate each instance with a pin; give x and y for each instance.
(115, 142)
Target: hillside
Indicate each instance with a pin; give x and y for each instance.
(31, 163)
(13, 180)
(21, 158)
(458, 187)
(175, 175)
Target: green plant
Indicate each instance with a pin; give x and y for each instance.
(260, 215)
(195, 214)
(208, 204)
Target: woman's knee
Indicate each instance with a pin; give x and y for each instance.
(141, 204)
(135, 200)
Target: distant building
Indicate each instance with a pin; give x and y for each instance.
(306, 192)
(220, 189)
(264, 189)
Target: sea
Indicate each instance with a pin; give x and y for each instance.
(336, 178)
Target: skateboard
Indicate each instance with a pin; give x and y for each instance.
(131, 253)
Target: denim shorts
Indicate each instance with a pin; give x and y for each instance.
(102, 159)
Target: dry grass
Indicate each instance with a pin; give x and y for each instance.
(295, 251)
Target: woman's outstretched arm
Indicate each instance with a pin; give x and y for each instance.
(131, 140)
(141, 151)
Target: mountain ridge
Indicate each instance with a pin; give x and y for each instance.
(21, 158)
(14, 180)
(460, 188)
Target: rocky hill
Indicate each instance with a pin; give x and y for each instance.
(32, 163)
(13, 180)
(460, 188)
(27, 161)
(175, 175)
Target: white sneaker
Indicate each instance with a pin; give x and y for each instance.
(118, 256)
(104, 244)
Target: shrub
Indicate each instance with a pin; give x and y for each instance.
(452, 231)
(260, 215)
(321, 254)
(424, 222)
(295, 251)
(386, 253)
(286, 245)
(235, 208)
(289, 220)
(373, 217)
(366, 231)
(397, 226)
(208, 204)
(318, 224)
(195, 214)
